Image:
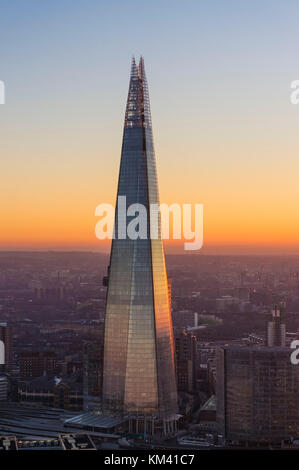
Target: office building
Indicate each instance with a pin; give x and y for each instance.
(36, 364)
(185, 357)
(276, 328)
(6, 338)
(257, 395)
(3, 388)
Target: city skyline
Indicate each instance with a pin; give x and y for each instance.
(149, 269)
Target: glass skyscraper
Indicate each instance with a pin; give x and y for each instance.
(139, 372)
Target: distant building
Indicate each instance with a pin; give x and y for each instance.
(185, 359)
(276, 328)
(93, 367)
(183, 318)
(207, 415)
(50, 294)
(6, 337)
(211, 375)
(242, 293)
(52, 391)
(3, 388)
(71, 365)
(224, 302)
(257, 394)
(68, 394)
(36, 364)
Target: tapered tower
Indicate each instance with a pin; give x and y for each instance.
(139, 374)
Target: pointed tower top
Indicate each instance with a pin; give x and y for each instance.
(141, 69)
(134, 71)
(138, 109)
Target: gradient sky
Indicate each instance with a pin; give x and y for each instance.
(225, 132)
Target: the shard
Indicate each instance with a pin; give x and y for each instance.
(139, 370)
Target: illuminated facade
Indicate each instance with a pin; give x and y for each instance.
(139, 373)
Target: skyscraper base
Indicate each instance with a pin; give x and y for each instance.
(151, 426)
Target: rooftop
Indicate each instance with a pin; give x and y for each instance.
(35, 422)
(96, 420)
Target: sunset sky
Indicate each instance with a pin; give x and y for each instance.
(226, 134)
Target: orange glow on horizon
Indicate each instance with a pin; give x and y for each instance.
(63, 226)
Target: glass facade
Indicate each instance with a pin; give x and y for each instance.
(139, 373)
(257, 394)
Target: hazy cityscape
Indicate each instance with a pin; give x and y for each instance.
(53, 305)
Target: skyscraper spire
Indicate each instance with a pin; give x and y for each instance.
(141, 71)
(134, 71)
(139, 375)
